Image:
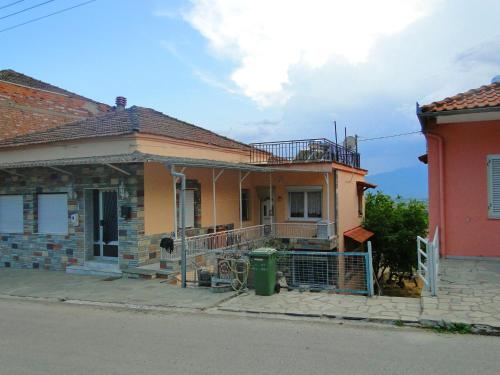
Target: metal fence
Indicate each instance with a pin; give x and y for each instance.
(428, 262)
(249, 237)
(348, 272)
(302, 151)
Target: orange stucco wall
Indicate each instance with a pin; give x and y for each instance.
(348, 203)
(468, 230)
(159, 206)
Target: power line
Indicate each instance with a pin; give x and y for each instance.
(9, 5)
(26, 9)
(47, 16)
(388, 136)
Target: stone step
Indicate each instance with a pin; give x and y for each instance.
(94, 268)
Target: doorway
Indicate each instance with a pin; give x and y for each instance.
(105, 224)
(266, 211)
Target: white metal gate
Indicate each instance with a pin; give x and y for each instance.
(428, 261)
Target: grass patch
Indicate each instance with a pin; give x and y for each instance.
(399, 323)
(460, 328)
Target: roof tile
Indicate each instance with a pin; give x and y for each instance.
(482, 97)
(122, 122)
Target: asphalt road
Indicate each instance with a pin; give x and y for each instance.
(39, 338)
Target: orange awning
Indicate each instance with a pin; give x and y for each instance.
(358, 234)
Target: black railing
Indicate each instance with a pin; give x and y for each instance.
(303, 151)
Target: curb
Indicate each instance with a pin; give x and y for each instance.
(479, 329)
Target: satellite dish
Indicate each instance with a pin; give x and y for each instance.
(350, 142)
(496, 79)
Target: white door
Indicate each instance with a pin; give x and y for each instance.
(189, 204)
(266, 211)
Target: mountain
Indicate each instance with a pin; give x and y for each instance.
(408, 182)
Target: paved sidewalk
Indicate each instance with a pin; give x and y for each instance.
(328, 305)
(58, 285)
(469, 292)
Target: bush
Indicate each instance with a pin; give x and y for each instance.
(396, 225)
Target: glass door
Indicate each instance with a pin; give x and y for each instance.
(105, 208)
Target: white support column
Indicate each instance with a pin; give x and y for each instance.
(271, 206)
(327, 181)
(241, 179)
(174, 189)
(214, 207)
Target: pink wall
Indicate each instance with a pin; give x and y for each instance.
(468, 230)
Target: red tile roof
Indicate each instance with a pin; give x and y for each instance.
(483, 97)
(359, 234)
(122, 122)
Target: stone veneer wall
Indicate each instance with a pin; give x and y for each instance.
(55, 252)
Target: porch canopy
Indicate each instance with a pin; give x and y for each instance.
(171, 163)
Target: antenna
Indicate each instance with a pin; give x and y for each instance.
(336, 140)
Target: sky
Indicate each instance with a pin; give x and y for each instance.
(268, 70)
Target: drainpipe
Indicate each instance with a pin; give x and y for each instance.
(336, 206)
(442, 220)
(182, 208)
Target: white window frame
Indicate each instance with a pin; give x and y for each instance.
(492, 190)
(305, 190)
(39, 218)
(20, 214)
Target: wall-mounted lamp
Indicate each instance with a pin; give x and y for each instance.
(122, 192)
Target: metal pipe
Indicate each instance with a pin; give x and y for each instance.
(241, 205)
(327, 180)
(182, 209)
(271, 208)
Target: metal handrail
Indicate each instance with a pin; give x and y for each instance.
(302, 150)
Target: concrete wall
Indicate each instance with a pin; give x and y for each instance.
(468, 230)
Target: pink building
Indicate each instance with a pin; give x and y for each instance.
(463, 157)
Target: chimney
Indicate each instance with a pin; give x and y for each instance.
(121, 103)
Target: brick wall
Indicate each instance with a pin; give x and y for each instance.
(24, 110)
(55, 252)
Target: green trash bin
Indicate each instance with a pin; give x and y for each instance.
(263, 263)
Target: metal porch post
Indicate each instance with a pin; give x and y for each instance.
(214, 209)
(241, 205)
(182, 208)
(271, 206)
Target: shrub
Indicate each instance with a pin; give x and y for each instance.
(396, 225)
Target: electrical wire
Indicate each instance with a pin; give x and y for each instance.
(47, 16)
(388, 136)
(26, 9)
(9, 5)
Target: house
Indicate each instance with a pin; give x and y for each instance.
(101, 190)
(28, 105)
(463, 158)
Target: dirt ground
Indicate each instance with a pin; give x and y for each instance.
(410, 289)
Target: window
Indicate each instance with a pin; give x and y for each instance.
(494, 186)
(245, 204)
(52, 213)
(305, 203)
(11, 214)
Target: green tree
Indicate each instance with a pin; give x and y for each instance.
(396, 225)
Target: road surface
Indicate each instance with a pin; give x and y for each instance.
(53, 338)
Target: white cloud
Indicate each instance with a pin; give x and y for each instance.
(268, 39)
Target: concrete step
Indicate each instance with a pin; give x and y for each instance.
(94, 268)
(147, 273)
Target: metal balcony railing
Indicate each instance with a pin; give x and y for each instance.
(303, 151)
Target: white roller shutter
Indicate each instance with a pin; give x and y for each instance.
(52, 213)
(494, 186)
(11, 214)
